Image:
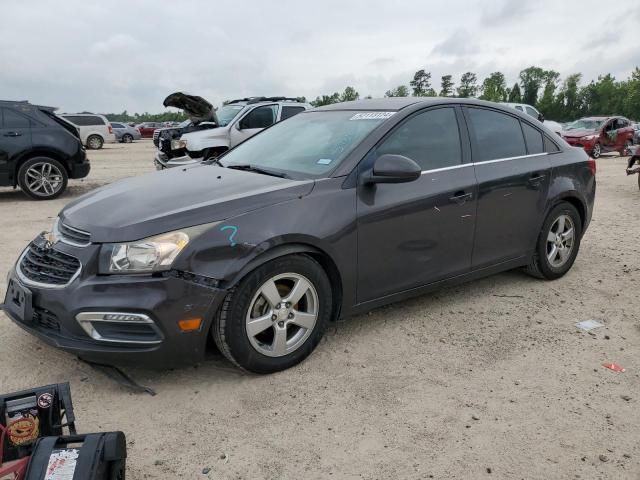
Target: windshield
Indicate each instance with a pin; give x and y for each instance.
(227, 113)
(310, 144)
(585, 123)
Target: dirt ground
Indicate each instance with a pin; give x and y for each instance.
(487, 380)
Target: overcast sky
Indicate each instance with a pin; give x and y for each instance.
(108, 56)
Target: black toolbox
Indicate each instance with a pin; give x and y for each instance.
(91, 456)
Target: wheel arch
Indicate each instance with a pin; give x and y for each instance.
(320, 256)
(573, 199)
(39, 152)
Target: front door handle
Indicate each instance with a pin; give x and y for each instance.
(12, 134)
(460, 197)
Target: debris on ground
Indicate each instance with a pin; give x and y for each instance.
(613, 366)
(588, 325)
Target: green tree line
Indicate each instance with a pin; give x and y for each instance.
(557, 98)
(146, 117)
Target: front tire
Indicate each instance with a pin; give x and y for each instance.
(276, 315)
(558, 243)
(95, 142)
(126, 138)
(596, 151)
(42, 178)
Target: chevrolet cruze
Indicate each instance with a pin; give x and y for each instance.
(334, 212)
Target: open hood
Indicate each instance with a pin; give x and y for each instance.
(198, 109)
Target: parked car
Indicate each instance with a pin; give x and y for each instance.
(554, 126)
(95, 130)
(38, 150)
(598, 135)
(202, 116)
(237, 121)
(333, 212)
(528, 109)
(636, 133)
(147, 128)
(125, 133)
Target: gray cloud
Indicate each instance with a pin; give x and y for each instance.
(117, 55)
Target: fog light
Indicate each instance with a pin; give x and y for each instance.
(190, 324)
(120, 327)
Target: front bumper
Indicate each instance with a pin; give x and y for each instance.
(162, 161)
(587, 145)
(50, 313)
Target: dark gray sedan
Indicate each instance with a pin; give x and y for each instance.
(334, 212)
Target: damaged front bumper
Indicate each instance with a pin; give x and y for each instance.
(117, 319)
(162, 161)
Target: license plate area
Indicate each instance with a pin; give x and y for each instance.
(19, 301)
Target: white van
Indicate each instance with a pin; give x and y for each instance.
(95, 130)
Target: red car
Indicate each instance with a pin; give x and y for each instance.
(598, 135)
(147, 128)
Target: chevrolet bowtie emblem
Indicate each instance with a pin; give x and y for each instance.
(50, 239)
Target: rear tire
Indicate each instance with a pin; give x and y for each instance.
(126, 138)
(94, 142)
(596, 151)
(259, 330)
(556, 248)
(42, 178)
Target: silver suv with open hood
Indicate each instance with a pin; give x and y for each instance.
(234, 122)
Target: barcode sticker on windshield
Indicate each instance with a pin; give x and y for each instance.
(372, 116)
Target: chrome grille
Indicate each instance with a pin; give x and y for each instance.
(47, 266)
(73, 236)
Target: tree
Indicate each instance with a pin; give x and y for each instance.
(399, 91)
(468, 86)
(531, 79)
(547, 104)
(514, 94)
(446, 86)
(494, 88)
(326, 100)
(349, 95)
(421, 83)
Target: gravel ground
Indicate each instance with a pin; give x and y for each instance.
(487, 380)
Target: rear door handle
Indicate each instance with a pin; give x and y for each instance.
(535, 178)
(12, 134)
(460, 197)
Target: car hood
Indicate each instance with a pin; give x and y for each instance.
(198, 109)
(159, 202)
(578, 132)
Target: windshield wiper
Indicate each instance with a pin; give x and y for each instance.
(264, 171)
(214, 161)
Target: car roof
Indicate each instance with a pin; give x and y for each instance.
(398, 103)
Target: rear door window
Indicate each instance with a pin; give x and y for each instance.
(495, 135)
(532, 112)
(431, 139)
(518, 107)
(14, 119)
(533, 136)
(288, 112)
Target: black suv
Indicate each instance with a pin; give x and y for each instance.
(38, 150)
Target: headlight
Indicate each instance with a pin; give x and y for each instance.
(153, 254)
(178, 144)
(588, 137)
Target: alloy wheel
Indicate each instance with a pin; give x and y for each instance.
(128, 138)
(44, 179)
(282, 314)
(596, 151)
(560, 241)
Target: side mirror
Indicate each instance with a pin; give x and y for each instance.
(540, 117)
(393, 169)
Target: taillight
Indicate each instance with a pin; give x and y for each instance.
(110, 129)
(591, 163)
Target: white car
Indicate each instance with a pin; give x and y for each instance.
(528, 109)
(235, 122)
(95, 130)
